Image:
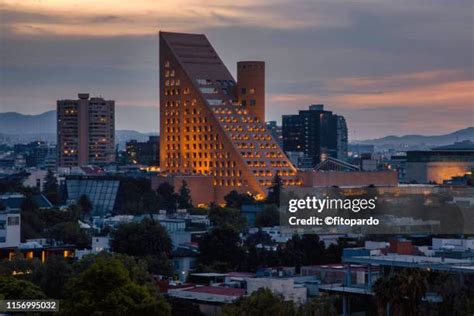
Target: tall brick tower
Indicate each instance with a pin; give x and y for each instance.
(251, 87)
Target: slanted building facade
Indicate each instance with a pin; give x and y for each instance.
(205, 130)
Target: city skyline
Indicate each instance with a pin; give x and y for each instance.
(389, 69)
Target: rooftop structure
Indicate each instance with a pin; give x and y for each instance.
(209, 294)
(101, 191)
(13, 201)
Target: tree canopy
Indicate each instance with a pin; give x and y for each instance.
(402, 291)
(51, 188)
(269, 217)
(106, 288)
(260, 303)
(13, 288)
(220, 247)
(235, 199)
(220, 216)
(184, 197)
(141, 239)
(274, 191)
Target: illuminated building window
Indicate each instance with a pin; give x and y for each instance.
(203, 149)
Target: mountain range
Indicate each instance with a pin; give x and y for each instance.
(16, 127)
(45, 123)
(21, 128)
(421, 141)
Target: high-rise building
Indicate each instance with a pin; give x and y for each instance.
(86, 131)
(315, 132)
(275, 131)
(204, 129)
(145, 153)
(342, 138)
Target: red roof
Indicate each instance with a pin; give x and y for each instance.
(226, 291)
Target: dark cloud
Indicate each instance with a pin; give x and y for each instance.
(313, 55)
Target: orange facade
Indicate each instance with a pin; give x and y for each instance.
(251, 87)
(204, 128)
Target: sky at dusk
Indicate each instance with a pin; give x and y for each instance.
(390, 67)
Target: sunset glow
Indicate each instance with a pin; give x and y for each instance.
(356, 55)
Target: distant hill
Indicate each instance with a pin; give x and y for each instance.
(123, 136)
(421, 141)
(16, 127)
(145, 118)
(16, 123)
(20, 128)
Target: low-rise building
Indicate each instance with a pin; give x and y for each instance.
(10, 229)
(184, 260)
(440, 163)
(285, 287)
(209, 298)
(101, 190)
(13, 201)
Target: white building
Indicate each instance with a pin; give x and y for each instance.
(285, 287)
(453, 244)
(10, 229)
(100, 244)
(36, 179)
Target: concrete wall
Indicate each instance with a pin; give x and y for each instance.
(354, 178)
(202, 187)
(284, 286)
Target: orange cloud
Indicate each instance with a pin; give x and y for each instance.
(459, 93)
(421, 89)
(141, 17)
(415, 78)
